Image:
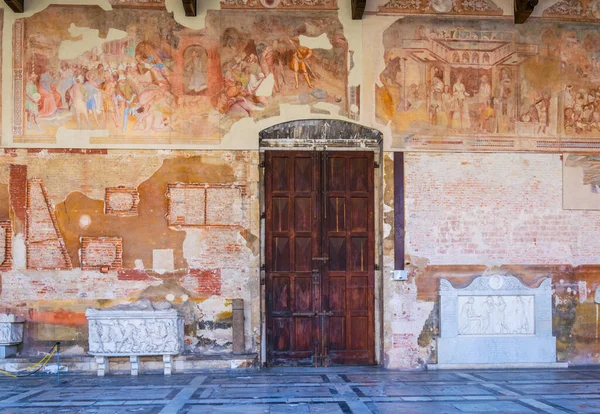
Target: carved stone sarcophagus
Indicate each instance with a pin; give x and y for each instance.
(134, 330)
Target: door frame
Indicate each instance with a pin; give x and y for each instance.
(358, 142)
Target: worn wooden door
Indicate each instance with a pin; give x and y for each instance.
(319, 257)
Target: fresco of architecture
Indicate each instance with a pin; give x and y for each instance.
(143, 78)
(491, 79)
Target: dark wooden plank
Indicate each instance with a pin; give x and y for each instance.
(18, 6)
(358, 9)
(190, 7)
(399, 211)
(523, 9)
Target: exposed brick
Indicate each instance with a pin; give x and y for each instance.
(17, 189)
(200, 205)
(5, 245)
(101, 253)
(133, 274)
(121, 201)
(494, 209)
(208, 281)
(45, 246)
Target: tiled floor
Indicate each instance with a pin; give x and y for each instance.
(331, 390)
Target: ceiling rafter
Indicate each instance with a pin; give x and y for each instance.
(523, 9)
(358, 9)
(18, 6)
(190, 7)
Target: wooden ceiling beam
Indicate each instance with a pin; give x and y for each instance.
(523, 9)
(190, 7)
(18, 6)
(358, 9)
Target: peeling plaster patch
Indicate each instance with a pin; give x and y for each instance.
(387, 229)
(404, 325)
(329, 107)
(88, 40)
(320, 42)
(582, 287)
(163, 261)
(19, 252)
(66, 137)
(85, 221)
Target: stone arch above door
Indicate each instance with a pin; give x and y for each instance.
(329, 132)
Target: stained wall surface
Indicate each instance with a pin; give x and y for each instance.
(130, 156)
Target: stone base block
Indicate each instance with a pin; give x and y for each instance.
(473, 350)
(7, 351)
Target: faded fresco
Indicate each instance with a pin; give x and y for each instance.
(581, 182)
(491, 84)
(136, 76)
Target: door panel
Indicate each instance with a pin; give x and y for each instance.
(320, 257)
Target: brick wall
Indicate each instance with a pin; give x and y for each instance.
(494, 209)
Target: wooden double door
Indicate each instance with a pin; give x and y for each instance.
(319, 258)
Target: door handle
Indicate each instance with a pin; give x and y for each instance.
(321, 259)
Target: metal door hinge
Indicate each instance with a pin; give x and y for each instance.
(376, 165)
(376, 267)
(263, 215)
(261, 164)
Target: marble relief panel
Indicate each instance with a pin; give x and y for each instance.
(496, 315)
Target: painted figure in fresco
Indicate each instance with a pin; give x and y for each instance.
(78, 96)
(461, 118)
(109, 99)
(47, 104)
(195, 73)
(279, 62)
(299, 64)
(127, 95)
(94, 96)
(266, 60)
(486, 112)
(505, 91)
(31, 103)
(435, 98)
(448, 107)
(543, 105)
(569, 107)
(65, 81)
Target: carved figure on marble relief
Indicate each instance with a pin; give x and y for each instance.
(489, 316)
(502, 328)
(522, 321)
(5, 332)
(470, 323)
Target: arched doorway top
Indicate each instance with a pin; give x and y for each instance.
(330, 132)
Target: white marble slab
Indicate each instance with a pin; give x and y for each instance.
(496, 320)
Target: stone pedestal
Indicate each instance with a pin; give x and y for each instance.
(134, 333)
(11, 335)
(496, 321)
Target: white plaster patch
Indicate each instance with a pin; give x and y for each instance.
(19, 252)
(71, 49)
(387, 229)
(170, 297)
(583, 291)
(139, 264)
(333, 109)
(320, 42)
(66, 137)
(163, 260)
(85, 221)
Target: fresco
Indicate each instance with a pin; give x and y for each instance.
(479, 7)
(581, 182)
(136, 76)
(491, 83)
(266, 60)
(283, 4)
